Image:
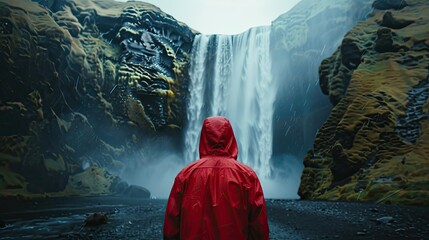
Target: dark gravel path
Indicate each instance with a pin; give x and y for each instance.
(143, 219)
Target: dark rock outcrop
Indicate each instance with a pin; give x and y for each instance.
(84, 83)
(409, 125)
(136, 192)
(375, 143)
(96, 219)
(384, 41)
(389, 4)
(393, 22)
(153, 73)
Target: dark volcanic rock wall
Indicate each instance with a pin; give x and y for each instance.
(153, 72)
(84, 83)
(375, 143)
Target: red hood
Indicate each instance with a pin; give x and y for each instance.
(217, 138)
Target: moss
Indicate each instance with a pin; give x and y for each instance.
(56, 165)
(377, 191)
(416, 197)
(370, 90)
(135, 112)
(7, 159)
(92, 181)
(10, 181)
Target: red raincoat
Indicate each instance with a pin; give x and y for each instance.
(216, 197)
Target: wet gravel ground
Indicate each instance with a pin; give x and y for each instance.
(345, 220)
(143, 219)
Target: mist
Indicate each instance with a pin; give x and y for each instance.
(284, 182)
(159, 161)
(155, 166)
(268, 86)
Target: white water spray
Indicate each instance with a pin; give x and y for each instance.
(231, 76)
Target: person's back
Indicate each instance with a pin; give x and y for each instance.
(216, 197)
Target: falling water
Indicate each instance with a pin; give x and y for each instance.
(231, 76)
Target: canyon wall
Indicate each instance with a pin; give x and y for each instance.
(85, 83)
(375, 143)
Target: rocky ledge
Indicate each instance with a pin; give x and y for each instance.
(375, 144)
(85, 84)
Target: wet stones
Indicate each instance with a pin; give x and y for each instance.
(5, 26)
(408, 126)
(96, 220)
(385, 220)
(389, 4)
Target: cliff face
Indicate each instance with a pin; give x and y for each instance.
(80, 83)
(300, 40)
(375, 143)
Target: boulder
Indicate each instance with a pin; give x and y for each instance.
(118, 186)
(96, 220)
(137, 192)
(391, 21)
(389, 4)
(384, 41)
(92, 181)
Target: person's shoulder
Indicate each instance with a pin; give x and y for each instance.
(246, 169)
(184, 173)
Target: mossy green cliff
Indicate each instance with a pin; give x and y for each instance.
(375, 144)
(85, 83)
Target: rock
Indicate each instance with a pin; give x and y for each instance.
(92, 181)
(158, 52)
(409, 125)
(351, 53)
(6, 26)
(2, 224)
(137, 192)
(118, 186)
(384, 41)
(385, 220)
(50, 175)
(300, 40)
(69, 76)
(391, 22)
(373, 209)
(389, 4)
(374, 144)
(14, 118)
(96, 220)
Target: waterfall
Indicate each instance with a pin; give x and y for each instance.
(231, 77)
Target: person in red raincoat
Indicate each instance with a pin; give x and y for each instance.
(216, 197)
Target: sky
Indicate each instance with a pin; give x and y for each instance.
(224, 16)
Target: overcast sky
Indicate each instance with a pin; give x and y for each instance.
(224, 16)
